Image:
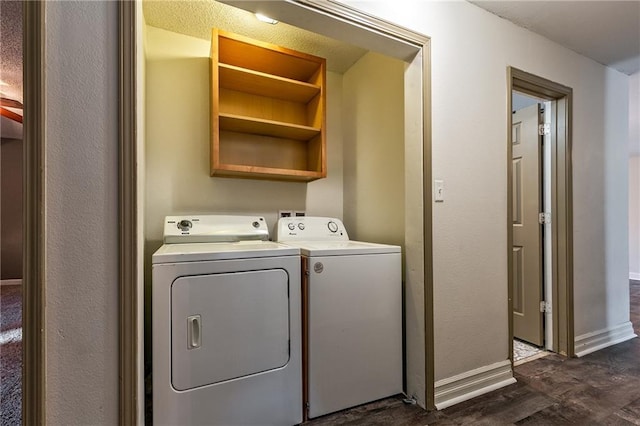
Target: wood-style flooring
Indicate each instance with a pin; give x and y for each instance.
(602, 388)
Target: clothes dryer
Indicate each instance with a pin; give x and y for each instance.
(352, 315)
(226, 324)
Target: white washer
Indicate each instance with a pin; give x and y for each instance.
(226, 324)
(352, 311)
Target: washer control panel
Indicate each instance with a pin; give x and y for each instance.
(310, 228)
(214, 228)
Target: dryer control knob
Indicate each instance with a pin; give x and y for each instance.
(184, 225)
(291, 226)
(333, 227)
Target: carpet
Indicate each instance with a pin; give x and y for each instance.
(10, 355)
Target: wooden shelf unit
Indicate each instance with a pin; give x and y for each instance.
(267, 110)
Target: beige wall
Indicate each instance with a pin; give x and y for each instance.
(11, 209)
(177, 148)
(471, 50)
(81, 213)
(374, 149)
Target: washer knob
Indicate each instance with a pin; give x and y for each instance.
(185, 225)
(333, 227)
(291, 226)
(301, 226)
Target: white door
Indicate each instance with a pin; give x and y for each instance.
(527, 232)
(354, 330)
(228, 326)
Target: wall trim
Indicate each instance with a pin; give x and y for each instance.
(128, 374)
(634, 276)
(473, 383)
(34, 237)
(17, 281)
(596, 340)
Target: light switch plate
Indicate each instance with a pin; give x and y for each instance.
(438, 191)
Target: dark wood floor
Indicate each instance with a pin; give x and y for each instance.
(602, 388)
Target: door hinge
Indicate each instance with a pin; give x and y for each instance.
(544, 218)
(545, 306)
(544, 129)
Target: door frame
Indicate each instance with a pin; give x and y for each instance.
(561, 204)
(131, 382)
(34, 237)
(131, 289)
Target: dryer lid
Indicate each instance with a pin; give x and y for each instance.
(214, 229)
(198, 252)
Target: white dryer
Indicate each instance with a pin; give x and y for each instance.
(226, 324)
(352, 315)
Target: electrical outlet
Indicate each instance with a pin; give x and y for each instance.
(285, 213)
(299, 213)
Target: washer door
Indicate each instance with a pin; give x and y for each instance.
(227, 326)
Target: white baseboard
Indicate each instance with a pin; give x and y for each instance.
(634, 276)
(591, 342)
(11, 282)
(473, 383)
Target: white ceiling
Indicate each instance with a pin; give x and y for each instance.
(197, 18)
(605, 31)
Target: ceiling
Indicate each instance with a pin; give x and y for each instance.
(197, 18)
(605, 31)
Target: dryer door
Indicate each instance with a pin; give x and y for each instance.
(227, 326)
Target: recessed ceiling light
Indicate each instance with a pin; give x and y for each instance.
(266, 19)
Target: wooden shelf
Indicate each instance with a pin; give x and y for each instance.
(267, 110)
(261, 84)
(255, 126)
(271, 173)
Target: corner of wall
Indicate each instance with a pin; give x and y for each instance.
(473, 383)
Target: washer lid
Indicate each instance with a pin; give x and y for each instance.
(341, 248)
(195, 252)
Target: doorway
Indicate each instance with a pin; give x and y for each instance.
(11, 212)
(539, 215)
(531, 183)
(334, 20)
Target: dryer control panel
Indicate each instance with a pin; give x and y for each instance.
(310, 228)
(214, 229)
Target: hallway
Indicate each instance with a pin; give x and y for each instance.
(601, 388)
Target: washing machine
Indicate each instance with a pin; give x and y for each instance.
(226, 324)
(352, 315)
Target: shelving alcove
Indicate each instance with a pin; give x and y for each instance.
(267, 110)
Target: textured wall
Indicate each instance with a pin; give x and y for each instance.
(81, 212)
(374, 154)
(471, 50)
